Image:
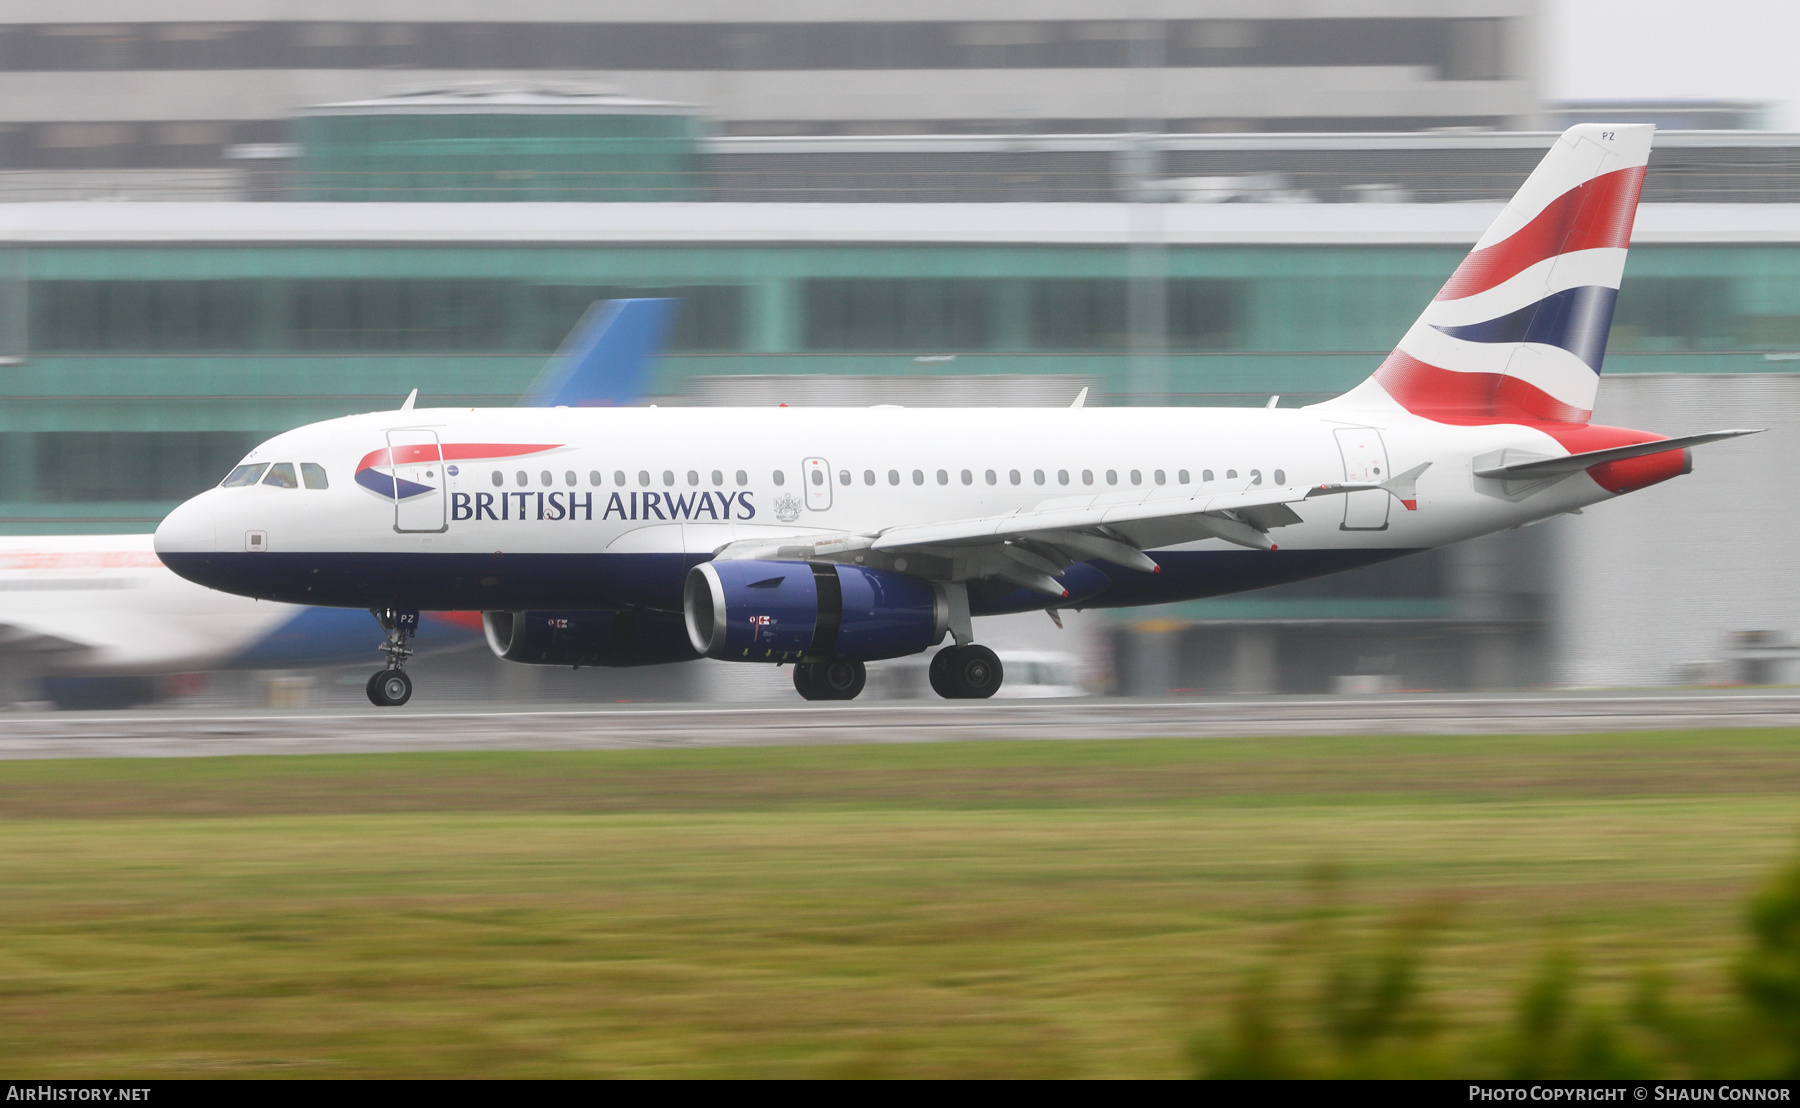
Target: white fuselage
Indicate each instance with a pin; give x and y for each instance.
(609, 507)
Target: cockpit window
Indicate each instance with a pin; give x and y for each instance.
(314, 475)
(244, 475)
(281, 475)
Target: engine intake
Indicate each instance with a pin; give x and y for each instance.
(638, 637)
(785, 611)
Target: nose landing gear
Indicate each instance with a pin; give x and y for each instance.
(391, 687)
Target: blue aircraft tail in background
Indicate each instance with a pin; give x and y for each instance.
(605, 361)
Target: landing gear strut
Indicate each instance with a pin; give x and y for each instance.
(836, 679)
(968, 672)
(391, 687)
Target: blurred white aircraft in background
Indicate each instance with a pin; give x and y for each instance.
(97, 621)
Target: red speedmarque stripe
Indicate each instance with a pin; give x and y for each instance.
(1595, 214)
(1451, 397)
(452, 452)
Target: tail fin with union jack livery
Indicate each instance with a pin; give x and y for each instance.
(1519, 331)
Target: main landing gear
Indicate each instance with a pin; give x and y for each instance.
(967, 672)
(836, 679)
(391, 687)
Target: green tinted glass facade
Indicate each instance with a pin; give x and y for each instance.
(498, 156)
(185, 354)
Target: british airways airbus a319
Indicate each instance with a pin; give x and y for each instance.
(828, 538)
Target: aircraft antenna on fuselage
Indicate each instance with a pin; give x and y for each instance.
(406, 405)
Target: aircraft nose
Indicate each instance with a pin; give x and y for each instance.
(189, 529)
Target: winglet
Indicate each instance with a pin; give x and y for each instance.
(1404, 487)
(1080, 398)
(406, 405)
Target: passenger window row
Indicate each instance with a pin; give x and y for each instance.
(278, 475)
(547, 478)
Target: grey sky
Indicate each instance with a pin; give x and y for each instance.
(1734, 49)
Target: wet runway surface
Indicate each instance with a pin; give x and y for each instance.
(173, 733)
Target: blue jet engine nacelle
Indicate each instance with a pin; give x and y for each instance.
(755, 611)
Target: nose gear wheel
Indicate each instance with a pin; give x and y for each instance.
(391, 687)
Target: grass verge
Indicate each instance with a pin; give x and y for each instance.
(1045, 909)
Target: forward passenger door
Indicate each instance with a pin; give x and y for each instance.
(418, 469)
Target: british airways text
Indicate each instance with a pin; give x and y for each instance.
(580, 506)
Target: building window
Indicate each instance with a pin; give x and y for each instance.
(136, 465)
(923, 314)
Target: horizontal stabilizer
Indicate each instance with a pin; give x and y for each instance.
(1537, 468)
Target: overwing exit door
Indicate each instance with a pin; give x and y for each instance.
(1365, 462)
(417, 463)
(816, 474)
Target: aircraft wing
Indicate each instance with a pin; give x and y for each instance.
(1032, 547)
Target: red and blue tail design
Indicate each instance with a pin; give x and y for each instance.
(1519, 331)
